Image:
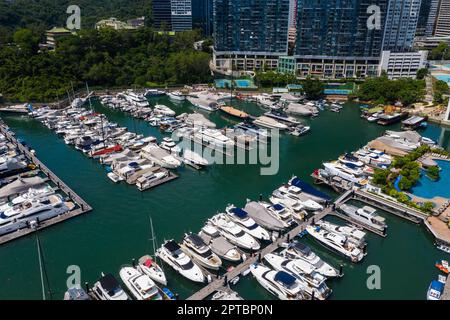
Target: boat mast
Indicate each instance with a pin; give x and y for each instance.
(42, 270)
(88, 95)
(153, 239)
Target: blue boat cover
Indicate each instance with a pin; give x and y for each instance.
(278, 207)
(133, 164)
(437, 285)
(285, 278)
(239, 212)
(307, 188)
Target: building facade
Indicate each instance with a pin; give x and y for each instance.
(401, 25)
(431, 19)
(202, 16)
(402, 64)
(443, 19)
(162, 15)
(181, 15)
(250, 34)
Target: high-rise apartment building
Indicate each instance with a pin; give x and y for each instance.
(443, 19)
(181, 15)
(202, 16)
(251, 34)
(401, 24)
(162, 15)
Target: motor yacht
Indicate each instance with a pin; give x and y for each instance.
(297, 250)
(352, 234)
(309, 190)
(139, 284)
(169, 145)
(279, 283)
(192, 157)
(171, 253)
(163, 110)
(233, 233)
(313, 283)
(213, 138)
(218, 244)
(295, 193)
(350, 159)
(366, 215)
(32, 193)
(336, 242)
(160, 156)
(243, 220)
(176, 96)
(149, 266)
(108, 288)
(269, 123)
(150, 177)
(194, 246)
(279, 211)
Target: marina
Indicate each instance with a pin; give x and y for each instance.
(246, 286)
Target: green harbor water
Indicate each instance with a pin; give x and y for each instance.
(117, 230)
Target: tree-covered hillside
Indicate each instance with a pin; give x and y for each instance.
(42, 14)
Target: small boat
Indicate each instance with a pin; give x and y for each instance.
(218, 244)
(194, 246)
(313, 283)
(105, 151)
(234, 112)
(224, 295)
(241, 218)
(114, 177)
(76, 293)
(269, 123)
(171, 253)
(176, 96)
(233, 233)
(279, 283)
(139, 284)
(299, 130)
(108, 288)
(336, 242)
(436, 289)
(444, 248)
(297, 250)
(148, 266)
(163, 110)
(443, 266)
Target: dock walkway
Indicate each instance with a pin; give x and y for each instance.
(219, 283)
(83, 207)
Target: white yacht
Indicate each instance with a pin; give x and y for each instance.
(313, 283)
(242, 219)
(270, 123)
(279, 211)
(219, 245)
(170, 145)
(233, 233)
(192, 157)
(297, 250)
(108, 288)
(279, 283)
(149, 266)
(264, 217)
(294, 193)
(32, 193)
(366, 215)
(135, 99)
(148, 179)
(350, 159)
(176, 96)
(194, 246)
(171, 253)
(352, 233)
(336, 242)
(213, 138)
(163, 110)
(139, 284)
(160, 156)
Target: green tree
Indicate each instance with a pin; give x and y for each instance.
(313, 88)
(421, 73)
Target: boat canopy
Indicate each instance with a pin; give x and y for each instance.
(196, 240)
(437, 285)
(278, 207)
(302, 248)
(240, 213)
(285, 278)
(307, 188)
(172, 246)
(109, 283)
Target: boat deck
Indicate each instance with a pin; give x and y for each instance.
(221, 283)
(81, 205)
(171, 176)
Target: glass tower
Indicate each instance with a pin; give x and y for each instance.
(251, 26)
(338, 28)
(202, 16)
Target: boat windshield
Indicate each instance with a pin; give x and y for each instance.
(253, 226)
(239, 234)
(187, 266)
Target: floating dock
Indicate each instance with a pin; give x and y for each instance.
(82, 206)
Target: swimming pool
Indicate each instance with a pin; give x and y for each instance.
(222, 83)
(244, 83)
(427, 188)
(443, 77)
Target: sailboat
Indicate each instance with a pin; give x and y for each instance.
(149, 266)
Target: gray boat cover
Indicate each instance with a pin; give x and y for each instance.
(262, 216)
(20, 185)
(221, 245)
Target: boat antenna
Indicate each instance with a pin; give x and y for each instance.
(42, 269)
(153, 239)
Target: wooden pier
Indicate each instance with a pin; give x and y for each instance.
(221, 283)
(81, 205)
